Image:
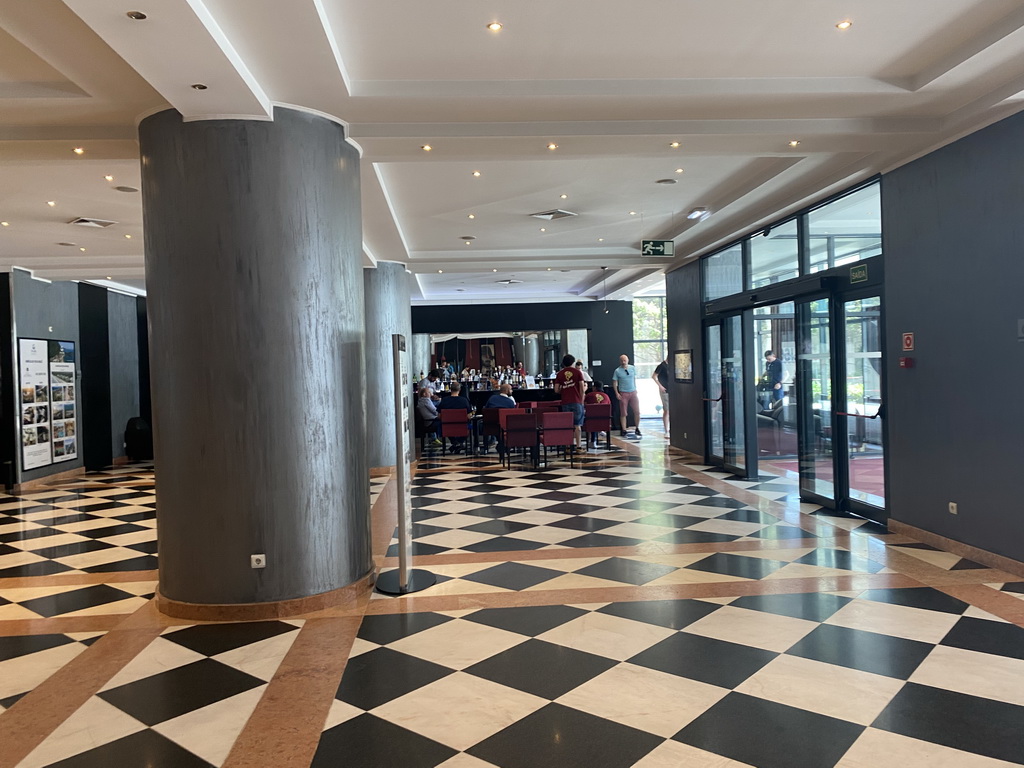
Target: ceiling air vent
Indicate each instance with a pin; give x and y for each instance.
(82, 221)
(509, 282)
(557, 213)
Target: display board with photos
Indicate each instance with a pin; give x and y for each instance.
(49, 411)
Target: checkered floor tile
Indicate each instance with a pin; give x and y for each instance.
(48, 602)
(601, 505)
(26, 661)
(181, 702)
(775, 681)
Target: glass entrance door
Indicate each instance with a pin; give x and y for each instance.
(814, 372)
(713, 394)
(865, 449)
(734, 404)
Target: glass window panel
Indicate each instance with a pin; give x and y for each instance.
(776, 257)
(723, 273)
(714, 390)
(847, 230)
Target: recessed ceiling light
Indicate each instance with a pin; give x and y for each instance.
(108, 177)
(543, 229)
(426, 147)
(794, 143)
(495, 26)
(845, 24)
(471, 216)
(494, 270)
(79, 150)
(549, 269)
(440, 271)
(51, 203)
(697, 213)
(552, 145)
(81, 249)
(136, 15)
(674, 145)
(5, 223)
(198, 87)
(679, 170)
(127, 237)
(476, 173)
(564, 197)
(600, 239)
(632, 213)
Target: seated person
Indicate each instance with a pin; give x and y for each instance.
(429, 382)
(428, 413)
(455, 401)
(500, 399)
(596, 396)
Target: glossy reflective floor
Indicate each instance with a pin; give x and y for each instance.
(637, 610)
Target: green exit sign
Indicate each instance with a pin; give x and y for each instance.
(859, 273)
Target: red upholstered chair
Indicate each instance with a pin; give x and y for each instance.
(557, 430)
(529, 404)
(598, 418)
(490, 425)
(454, 423)
(504, 413)
(520, 432)
(548, 407)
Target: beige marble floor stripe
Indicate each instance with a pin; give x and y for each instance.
(284, 729)
(60, 625)
(71, 579)
(25, 725)
(992, 600)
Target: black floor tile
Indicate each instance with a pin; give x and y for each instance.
(28, 533)
(561, 737)
(674, 614)
(963, 564)
(747, 515)
(418, 548)
(670, 520)
(813, 606)
(369, 742)
(75, 600)
(686, 536)
(759, 732)
(497, 527)
(515, 576)
(719, 501)
(144, 749)
(134, 517)
(494, 511)
(170, 694)
(387, 628)
(41, 568)
(150, 547)
(866, 651)
(627, 571)
(647, 506)
(22, 645)
(839, 558)
(783, 532)
(601, 540)
(380, 675)
(1015, 587)
(526, 620)
(969, 723)
(571, 508)
(502, 544)
(917, 597)
(987, 636)
(111, 530)
(543, 669)
(711, 661)
(590, 524)
(77, 548)
(211, 639)
(144, 563)
(737, 565)
(419, 530)
(558, 495)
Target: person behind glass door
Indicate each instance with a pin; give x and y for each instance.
(773, 375)
(624, 385)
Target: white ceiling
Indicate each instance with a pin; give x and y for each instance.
(612, 84)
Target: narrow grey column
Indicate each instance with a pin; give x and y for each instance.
(388, 311)
(253, 269)
(532, 355)
(421, 353)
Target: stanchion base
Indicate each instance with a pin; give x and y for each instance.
(387, 583)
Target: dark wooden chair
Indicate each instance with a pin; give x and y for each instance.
(598, 418)
(557, 431)
(454, 423)
(520, 431)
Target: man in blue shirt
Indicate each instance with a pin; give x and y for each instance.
(455, 401)
(624, 386)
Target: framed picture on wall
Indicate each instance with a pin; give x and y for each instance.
(683, 359)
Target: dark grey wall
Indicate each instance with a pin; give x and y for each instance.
(94, 363)
(954, 239)
(611, 334)
(38, 306)
(123, 339)
(255, 303)
(686, 405)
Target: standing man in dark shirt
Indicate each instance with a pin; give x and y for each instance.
(569, 384)
(660, 377)
(773, 375)
(455, 401)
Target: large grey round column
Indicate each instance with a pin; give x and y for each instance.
(420, 354)
(388, 311)
(254, 276)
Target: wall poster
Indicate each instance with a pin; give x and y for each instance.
(63, 411)
(33, 373)
(683, 365)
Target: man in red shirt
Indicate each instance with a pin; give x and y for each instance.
(569, 384)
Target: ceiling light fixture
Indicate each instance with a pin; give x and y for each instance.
(109, 277)
(494, 270)
(82, 249)
(136, 15)
(476, 173)
(552, 146)
(440, 271)
(698, 214)
(426, 147)
(563, 197)
(108, 177)
(600, 239)
(495, 26)
(5, 223)
(543, 229)
(127, 237)
(471, 216)
(845, 24)
(198, 87)
(632, 213)
(674, 145)
(549, 269)
(51, 203)
(794, 143)
(79, 150)
(679, 170)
